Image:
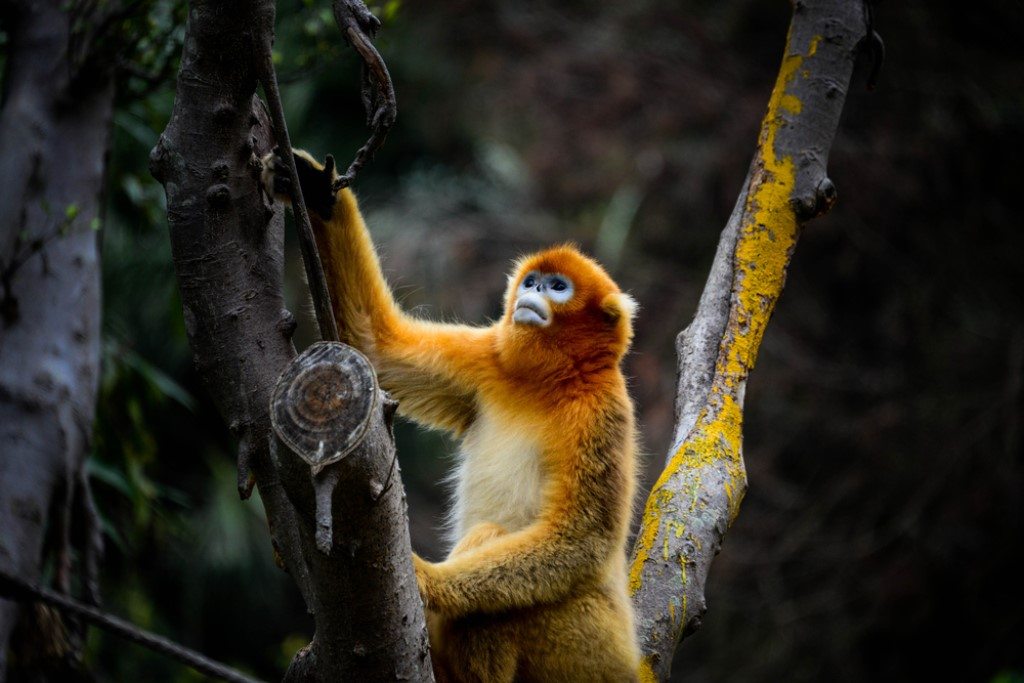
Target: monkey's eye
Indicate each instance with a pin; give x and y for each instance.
(529, 282)
(559, 285)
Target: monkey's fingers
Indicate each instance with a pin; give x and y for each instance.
(281, 178)
(317, 183)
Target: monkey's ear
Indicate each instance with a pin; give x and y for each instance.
(617, 305)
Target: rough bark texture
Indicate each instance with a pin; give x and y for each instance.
(227, 243)
(227, 246)
(699, 493)
(337, 457)
(54, 134)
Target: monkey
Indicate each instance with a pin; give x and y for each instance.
(534, 587)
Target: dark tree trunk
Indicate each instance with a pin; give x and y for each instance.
(337, 457)
(54, 134)
(227, 244)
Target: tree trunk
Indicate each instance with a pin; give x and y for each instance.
(337, 457)
(54, 136)
(700, 491)
(227, 245)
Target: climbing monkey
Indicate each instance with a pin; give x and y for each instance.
(534, 587)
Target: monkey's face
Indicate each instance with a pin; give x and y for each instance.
(561, 297)
(536, 295)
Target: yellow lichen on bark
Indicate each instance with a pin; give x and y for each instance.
(715, 441)
(766, 239)
(764, 245)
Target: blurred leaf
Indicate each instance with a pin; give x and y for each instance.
(139, 131)
(111, 532)
(231, 533)
(140, 608)
(294, 642)
(109, 475)
(391, 9)
(133, 188)
(1008, 677)
(157, 378)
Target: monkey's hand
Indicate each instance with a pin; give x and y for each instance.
(429, 576)
(316, 180)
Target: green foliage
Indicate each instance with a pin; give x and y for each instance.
(132, 398)
(1008, 677)
(308, 39)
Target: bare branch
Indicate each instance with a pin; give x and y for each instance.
(358, 25)
(19, 589)
(310, 257)
(700, 491)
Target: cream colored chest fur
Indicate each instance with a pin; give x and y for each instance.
(499, 477)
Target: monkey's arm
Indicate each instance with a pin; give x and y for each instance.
(431, 368)
(580, 532)
(478, 535)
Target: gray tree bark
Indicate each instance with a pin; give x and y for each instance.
(227, 243)
(55, 126)
(337, 455)
(699, 493)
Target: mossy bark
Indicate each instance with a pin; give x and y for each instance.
(699, 493)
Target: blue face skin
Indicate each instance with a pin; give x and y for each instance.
(536, 293)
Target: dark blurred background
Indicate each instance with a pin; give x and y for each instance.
(881, 538)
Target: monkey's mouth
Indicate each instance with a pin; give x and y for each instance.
(530, 313)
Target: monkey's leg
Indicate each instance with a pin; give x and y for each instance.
(594, 641)
(477, 649)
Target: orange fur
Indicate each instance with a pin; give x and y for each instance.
(535, 586)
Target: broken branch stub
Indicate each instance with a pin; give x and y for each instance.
(322, 403)
(335, 453)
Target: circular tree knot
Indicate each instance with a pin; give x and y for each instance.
(322, 403)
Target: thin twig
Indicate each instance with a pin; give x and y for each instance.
(18, 589)
(355, 22)
(310, 256)
(378, 98)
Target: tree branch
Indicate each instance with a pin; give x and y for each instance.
(349, 554)
(310, 257)
(358, 25)
(228, 244)
(699, 493)
(337, 456)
